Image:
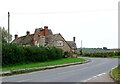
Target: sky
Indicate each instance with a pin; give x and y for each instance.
(95, 22)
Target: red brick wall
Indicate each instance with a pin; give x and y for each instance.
(42, 32)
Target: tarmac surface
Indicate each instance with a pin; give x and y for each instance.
(95, 71)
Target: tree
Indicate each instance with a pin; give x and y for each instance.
(104, 48)
(4, 35)
(81, 53)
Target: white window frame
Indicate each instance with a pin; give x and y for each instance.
(60, 43)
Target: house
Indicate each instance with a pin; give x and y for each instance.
(45, 37)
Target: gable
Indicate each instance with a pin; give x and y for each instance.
(58, 41)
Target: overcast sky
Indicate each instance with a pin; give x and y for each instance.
(95, 22)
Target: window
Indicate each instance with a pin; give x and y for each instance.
(36, 44)
(59, 43)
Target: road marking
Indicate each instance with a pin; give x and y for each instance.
(114, 67)
(23, 80)
(72, 70)
(93, 77)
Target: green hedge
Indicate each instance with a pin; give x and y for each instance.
(102, 54)
(13, 54)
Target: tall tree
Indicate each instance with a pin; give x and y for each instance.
(4, 35)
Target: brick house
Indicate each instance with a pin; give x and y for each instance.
(45, 37)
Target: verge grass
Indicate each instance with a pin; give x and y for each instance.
(42, 64)
(115, 56)
(116, 73)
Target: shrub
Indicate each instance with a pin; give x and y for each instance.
(101, 54)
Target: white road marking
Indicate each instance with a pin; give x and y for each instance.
(114, 67)
(72, 70)
(94, 77)
(23, 80)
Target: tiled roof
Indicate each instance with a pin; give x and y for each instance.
(72, 44)
(51, 38)
(38, 30)
(28, 39)
(50, 31)
(24, 39)
(48, 39)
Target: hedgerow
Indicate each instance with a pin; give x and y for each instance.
(13, 54)
(102, 54)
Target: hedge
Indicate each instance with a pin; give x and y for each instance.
(13, 54)
(102, 54)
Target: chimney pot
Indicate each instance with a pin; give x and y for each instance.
(16, 36)
(74, 39)
(46, 32)
(27, 33)
(45, 27)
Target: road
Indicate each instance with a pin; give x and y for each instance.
(75, 73)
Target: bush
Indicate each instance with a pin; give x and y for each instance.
(101, 54)
(13, 54)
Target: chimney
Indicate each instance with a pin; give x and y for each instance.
(74, 39)
(27, 33)
(46, 30)
(45, 27)
(42, 32)
(16, 36)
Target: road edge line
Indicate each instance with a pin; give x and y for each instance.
(93, 77)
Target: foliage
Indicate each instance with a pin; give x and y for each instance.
(102, 54)
(4, 35)
(104, 48)
(116, 72)
(16, 54)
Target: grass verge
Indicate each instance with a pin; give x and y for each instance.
(42, 64)
(116, 73)
(115, 56)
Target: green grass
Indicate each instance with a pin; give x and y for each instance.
(116, 72)
(41, 64)
(115, 56)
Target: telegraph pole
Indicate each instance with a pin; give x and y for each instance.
(8, 26)
(81, 48)
(81, 44)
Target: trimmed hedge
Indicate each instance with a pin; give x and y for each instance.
(102, 54)
(13, 54)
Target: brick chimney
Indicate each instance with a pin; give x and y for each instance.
(16, 36)
(46, 30)
(42, 32)
(74, 39)
(27, 32)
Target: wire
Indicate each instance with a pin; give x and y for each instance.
(66, 12)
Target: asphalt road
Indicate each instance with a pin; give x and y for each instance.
(75, 73)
